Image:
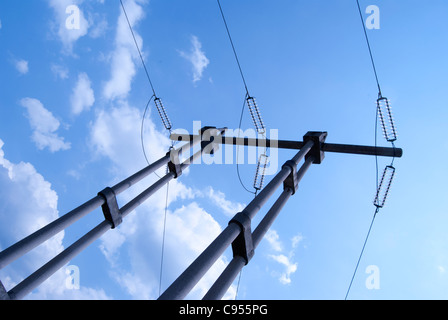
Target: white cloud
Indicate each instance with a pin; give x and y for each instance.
(115, 134)
(219, 199)
(123, 67)
(59, 71)
(22, 66)
(83, 96)
(197, 58)
(290, 267)
(29, 203)
(99, 28)
(273, 239)
(134, 248)
(44, 126)
(441, 269)
(296, 240)
(69, 35)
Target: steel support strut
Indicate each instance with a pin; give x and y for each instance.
(113, 217)
(237, 233)
(222, 284)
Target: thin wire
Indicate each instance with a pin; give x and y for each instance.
(238, 148)
(163, 239)
(138, 49)
(238, 284)
(142, 136)
(370, 49)
(233, 47)
(362, 251)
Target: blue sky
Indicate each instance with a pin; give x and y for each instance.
(71, 106)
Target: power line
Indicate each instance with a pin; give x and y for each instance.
(390, 135)
(362, 252)
(233, 47)
(163, 239)
(138, 49)
(168, 126)
(370, 49)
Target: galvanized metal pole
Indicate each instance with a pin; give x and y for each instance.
(42, 274)
(25, 245)
(191, 276)
(225, 280)
(39, 276)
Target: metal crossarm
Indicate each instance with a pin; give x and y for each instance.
(297, 145)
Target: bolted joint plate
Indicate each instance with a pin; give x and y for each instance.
(243, 245)
(316, 151)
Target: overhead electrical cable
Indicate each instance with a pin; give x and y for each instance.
(384, 113)
(166, 123)
(256, 118)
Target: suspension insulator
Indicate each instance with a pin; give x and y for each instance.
(384, 186)
(162, 113)
(386, 119)
(261, 169)
(256, 116)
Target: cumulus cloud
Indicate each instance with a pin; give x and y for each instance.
(290, 267)
(44, 126)
(70, 22)
(284, 259)
(134, 248)
(19, 218)
(189, 228)
(59, 71)
(123, 67)
(22, 66)
(83, 96)
(273, 239)
(197, 58)
(228, 207)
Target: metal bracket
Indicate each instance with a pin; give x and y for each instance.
(174, 164)
(3, 293)
(110, 207)
(291, 181)
(243, 245)
(316, 151)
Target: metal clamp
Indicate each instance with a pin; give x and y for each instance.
(174, 165)
(291, 181)
(316, 151)
(110, 207)
(243, 245)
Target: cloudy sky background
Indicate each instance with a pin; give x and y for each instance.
(72, 104)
